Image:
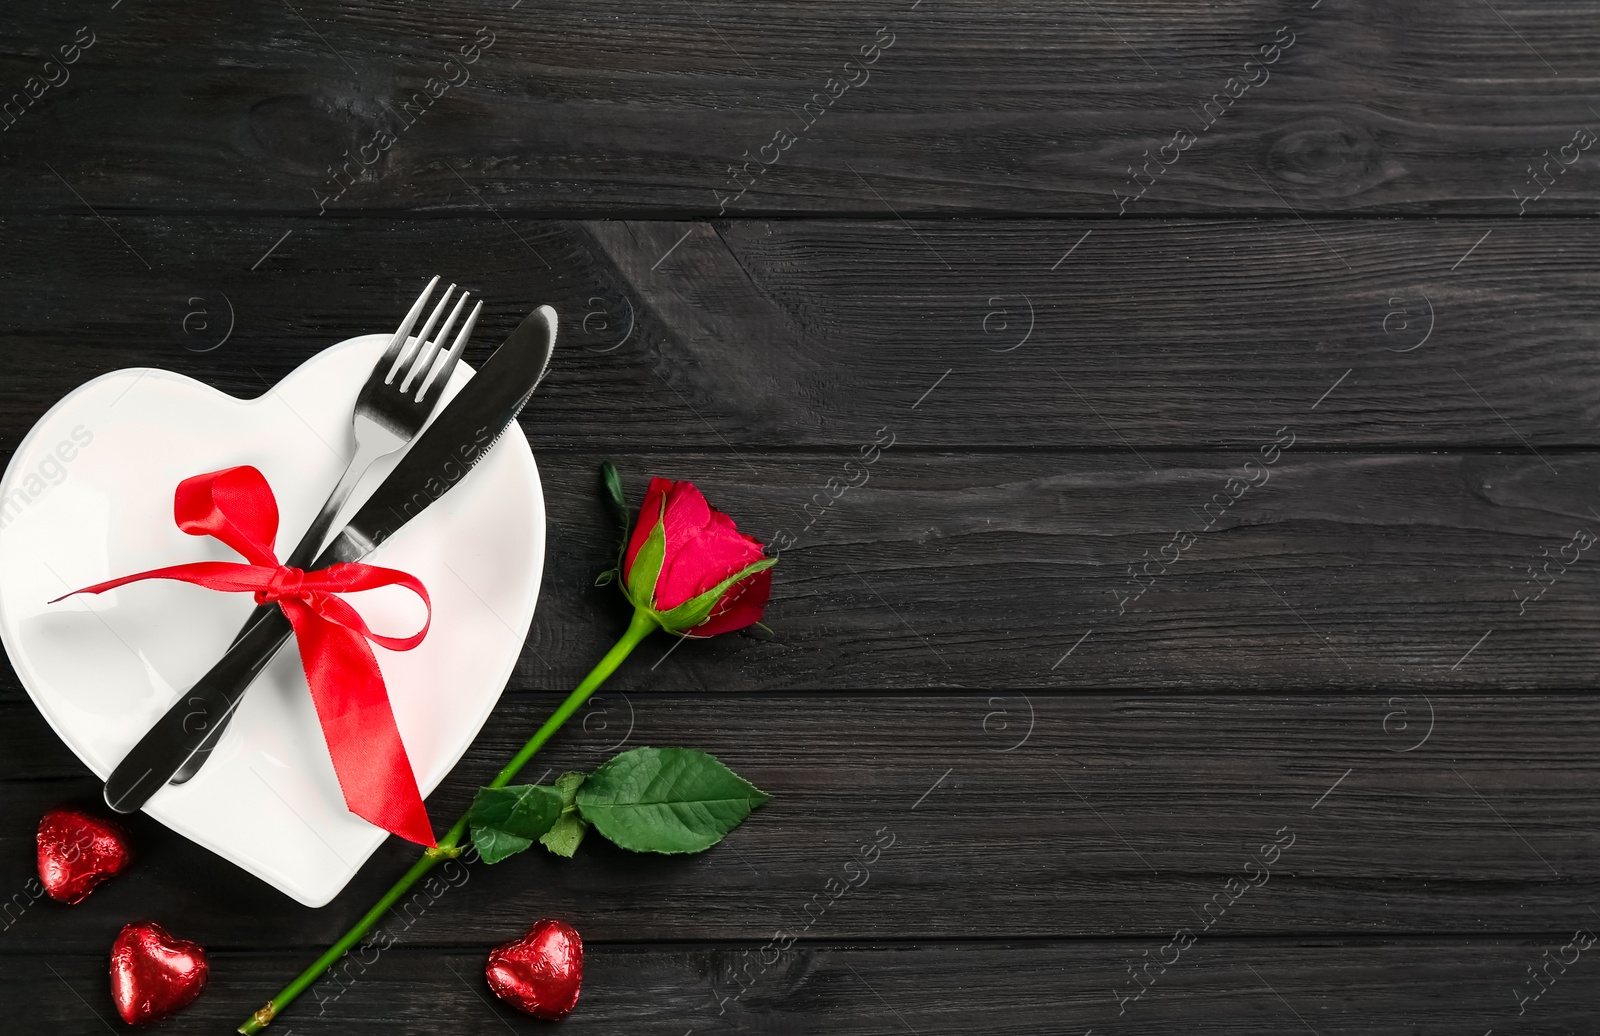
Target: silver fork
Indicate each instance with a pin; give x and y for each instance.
(389, 412)
(390, 409)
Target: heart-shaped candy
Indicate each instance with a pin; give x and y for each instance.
(77, 852)
(541, 973)
(154, 974)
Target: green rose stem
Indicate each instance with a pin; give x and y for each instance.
(644, 623)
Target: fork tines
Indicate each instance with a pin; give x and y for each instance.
(421, 352)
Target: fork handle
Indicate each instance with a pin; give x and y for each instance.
(303, 554)
(310, 544)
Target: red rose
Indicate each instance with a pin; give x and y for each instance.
(690, 566)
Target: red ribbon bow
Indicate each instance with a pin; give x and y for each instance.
(236, 506)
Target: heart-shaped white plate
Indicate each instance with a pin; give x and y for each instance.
(88, 497)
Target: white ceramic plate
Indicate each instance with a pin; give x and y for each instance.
(88, 497)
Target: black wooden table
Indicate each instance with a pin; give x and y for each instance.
(1239, 364)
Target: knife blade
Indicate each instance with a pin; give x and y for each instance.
(458, 438)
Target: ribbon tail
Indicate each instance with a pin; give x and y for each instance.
(358, 724)
(213, 575)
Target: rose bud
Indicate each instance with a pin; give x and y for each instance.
(690, 568)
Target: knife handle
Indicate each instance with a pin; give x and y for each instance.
(168, 745)
(302, 556)
(202, 752)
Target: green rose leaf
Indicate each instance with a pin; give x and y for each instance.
(565, 836)
(666, 800)
(567, 832)
(505, 821)
(568, 784)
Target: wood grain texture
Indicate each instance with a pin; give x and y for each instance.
(980, 571)
(999, 816)
(1428, 107)
(764, 334)
(1011, 988)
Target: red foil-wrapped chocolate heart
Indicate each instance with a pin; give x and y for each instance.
(541, 973)
(154, 974)
(78, 852)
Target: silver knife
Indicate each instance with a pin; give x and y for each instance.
(464, 431)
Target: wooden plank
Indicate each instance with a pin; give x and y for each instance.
(752, 335)
(1034, 107)
(1011, 988)
(974, 571)
(1348, 572)
(991, 815)
(1186, 334)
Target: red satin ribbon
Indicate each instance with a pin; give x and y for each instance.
(236, 506)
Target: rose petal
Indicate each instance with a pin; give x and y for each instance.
(687, 514)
